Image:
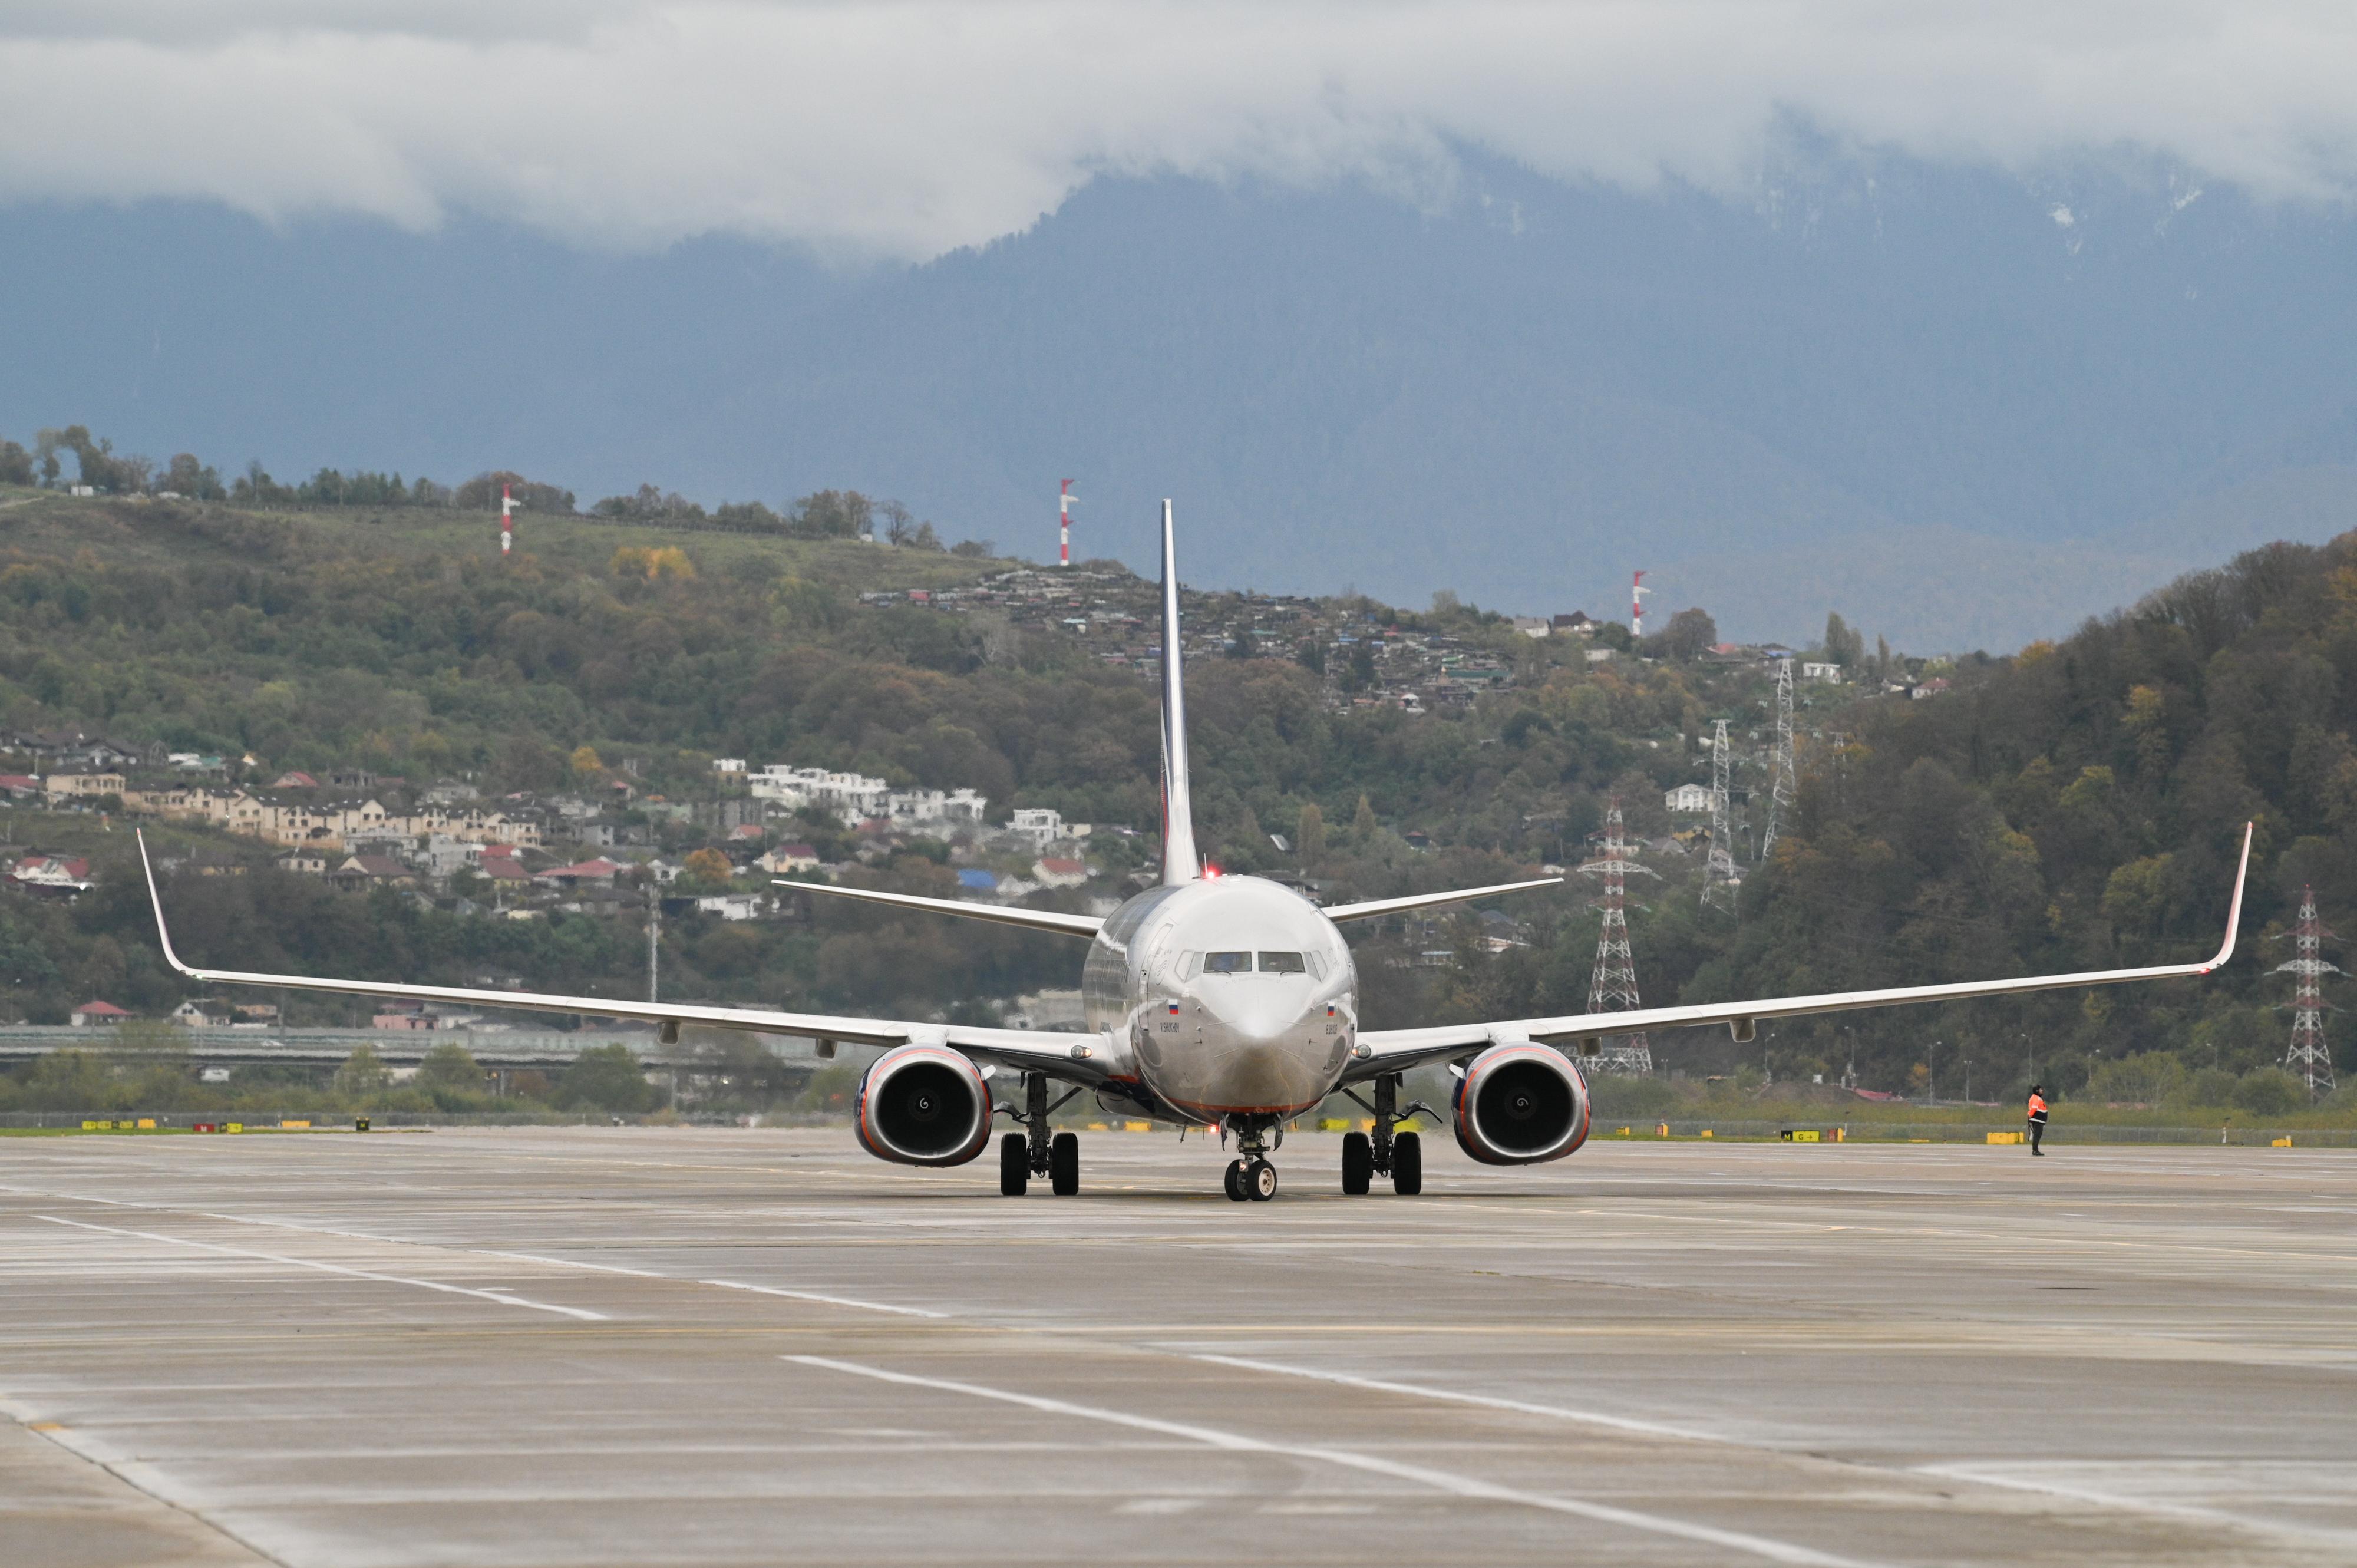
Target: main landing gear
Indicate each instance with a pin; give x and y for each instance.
(1399, 1156)
(1035, 1151)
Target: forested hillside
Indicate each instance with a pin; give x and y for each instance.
(2073, 806)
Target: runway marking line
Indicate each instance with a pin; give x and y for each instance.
(827, 1300)
(503, 1297)
(1443, 1481)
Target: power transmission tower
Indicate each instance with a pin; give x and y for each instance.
(1779, 758)
(1613, 988)
(1718, 879)
(2309, 1056)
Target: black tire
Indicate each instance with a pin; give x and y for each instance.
(1236, 1193)
(1013, 1165)
(1357, 1165)
(1407, 1164)
(1260, 1181)
(1064, 1164)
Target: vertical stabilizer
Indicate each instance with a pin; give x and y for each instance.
(1180, 863)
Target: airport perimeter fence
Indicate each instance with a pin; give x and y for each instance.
(2058, 1133)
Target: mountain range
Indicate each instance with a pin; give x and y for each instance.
(1962, 408)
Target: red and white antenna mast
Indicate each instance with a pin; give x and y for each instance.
(1637, 591)
(1064, 523)
(507, 520)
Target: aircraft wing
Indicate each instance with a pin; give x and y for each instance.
(1372, 907)
(1078, 1058)
(1382, 1051)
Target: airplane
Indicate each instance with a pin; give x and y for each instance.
(1223, 1002)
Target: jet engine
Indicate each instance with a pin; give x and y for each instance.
(1519, 1104)
(924, 1105)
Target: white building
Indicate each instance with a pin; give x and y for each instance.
(920, 810)
(1041, 826)
(854, 797)
(1831, 674)
(1687, 797)
(1533, 626)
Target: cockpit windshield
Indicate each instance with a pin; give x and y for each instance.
(1227, 963)
(1282, 963)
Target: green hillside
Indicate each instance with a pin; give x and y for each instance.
(2073, 806)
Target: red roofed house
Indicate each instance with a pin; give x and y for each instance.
(291, 779)
(95, 1016)
(1057, 872)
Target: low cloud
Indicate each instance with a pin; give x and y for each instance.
(906, 129)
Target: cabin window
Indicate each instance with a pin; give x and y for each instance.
(1227, 963)
(1282, 963)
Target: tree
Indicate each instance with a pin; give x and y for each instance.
(1361, 673)
(1363, 825)
(363, 1073)
(450, 1068)
(15, 464)
(1691, 633)
(1845, 645)
(708, 867)
(1311, 655)
(899, 522)
(609, 1078)
(1309, 835)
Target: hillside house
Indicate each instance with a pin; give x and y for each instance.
(1687, 797)
(788, 857)
(96, 1015)
(1053, 871)
(82, 786)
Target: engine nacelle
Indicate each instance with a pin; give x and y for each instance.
(924, 1105)
(1520, 1104)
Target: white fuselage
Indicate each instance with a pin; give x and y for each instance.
(1230, 996)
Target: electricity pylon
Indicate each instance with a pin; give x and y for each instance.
(2309, 1056)
(1613, 988)
(1779, 758)
(1719, 880)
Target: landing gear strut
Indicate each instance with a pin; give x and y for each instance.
(1035, 1151)
(1399, 1156)
(1251, 1180)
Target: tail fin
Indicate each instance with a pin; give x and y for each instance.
(1180, 861)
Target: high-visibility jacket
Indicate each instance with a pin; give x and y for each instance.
(2037, 1108)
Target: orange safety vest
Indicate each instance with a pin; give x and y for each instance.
(2036, 1107)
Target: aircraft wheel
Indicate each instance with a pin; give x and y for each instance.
(1236, 1181)
(1260, 1181)
(1013, 1165)
(1358, 1164)
(1407, 1164)
(1064, 1164)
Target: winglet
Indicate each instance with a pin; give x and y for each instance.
(162, 935)
(2234, 909)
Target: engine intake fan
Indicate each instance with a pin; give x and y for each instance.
(924, 1105)
(1521, 1104)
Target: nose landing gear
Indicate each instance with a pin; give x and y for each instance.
(1251, 1180)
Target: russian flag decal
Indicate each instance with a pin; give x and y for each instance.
(1174, 1009)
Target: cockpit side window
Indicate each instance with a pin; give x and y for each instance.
(1282, 963)
(1227, 963)
(1317, 966)
(1188, 964)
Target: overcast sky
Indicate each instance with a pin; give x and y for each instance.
(903, 130)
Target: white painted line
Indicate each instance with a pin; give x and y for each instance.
(1424, 1475)
(1557, 1412)
(502, 1297)
(1978, 1474)
(827, 1300)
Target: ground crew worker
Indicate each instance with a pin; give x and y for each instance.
(2037, 1118)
